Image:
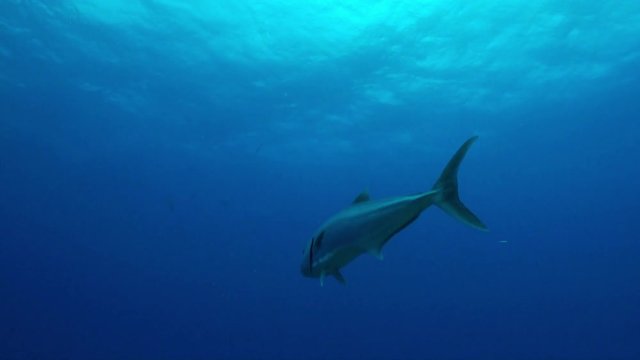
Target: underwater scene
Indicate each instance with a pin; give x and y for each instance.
(351, 179)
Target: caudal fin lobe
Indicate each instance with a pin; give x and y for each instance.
(447, 187)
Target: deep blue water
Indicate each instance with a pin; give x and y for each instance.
(163, 165)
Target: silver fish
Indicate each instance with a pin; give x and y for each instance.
(367, 225)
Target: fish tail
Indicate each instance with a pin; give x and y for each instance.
(447, 197)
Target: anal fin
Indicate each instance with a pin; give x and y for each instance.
(377, 253)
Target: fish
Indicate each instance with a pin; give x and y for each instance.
(367, 225)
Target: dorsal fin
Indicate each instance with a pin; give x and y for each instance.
(362, 197)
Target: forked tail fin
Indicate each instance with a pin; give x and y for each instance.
(447, 187)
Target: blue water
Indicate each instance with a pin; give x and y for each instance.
(164, 163)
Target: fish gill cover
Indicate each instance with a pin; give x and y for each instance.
(162, 164)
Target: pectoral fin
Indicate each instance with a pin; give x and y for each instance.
(338, 275)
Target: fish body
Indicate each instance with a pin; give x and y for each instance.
(367, 225)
